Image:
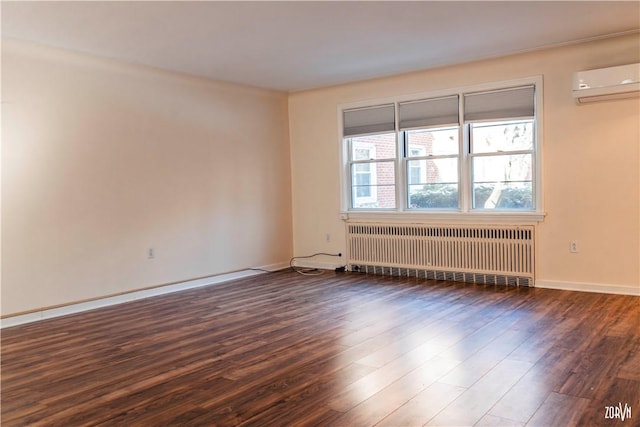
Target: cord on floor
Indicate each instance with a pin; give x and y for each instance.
(310, 271)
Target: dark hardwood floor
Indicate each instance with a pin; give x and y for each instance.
(340, 349)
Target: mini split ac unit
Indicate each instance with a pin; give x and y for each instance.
(606, 83)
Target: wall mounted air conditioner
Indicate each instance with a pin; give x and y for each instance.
(606, 83)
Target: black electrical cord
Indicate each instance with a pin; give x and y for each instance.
(310, 271)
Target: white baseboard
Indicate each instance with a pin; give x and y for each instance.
(207, 281)
(273, 267)
(132, 296)
(589, 287)
(305, 263)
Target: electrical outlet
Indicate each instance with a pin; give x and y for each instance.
(151, 253)
(573, 247)
(327, 237)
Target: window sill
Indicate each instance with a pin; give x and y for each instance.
(524, 218)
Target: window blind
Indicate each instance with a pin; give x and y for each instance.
(368, 120)
(500, 104)
(429, 112)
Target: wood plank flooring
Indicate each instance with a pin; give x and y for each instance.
(340, 349)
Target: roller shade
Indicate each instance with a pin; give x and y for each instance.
(429, 112)
(500, 104)
(368, 120)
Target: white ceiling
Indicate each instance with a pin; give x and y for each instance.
(296, 45)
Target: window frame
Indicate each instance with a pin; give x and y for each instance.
(406, 159)
(350, 162)
(465, 211)
(498, 153)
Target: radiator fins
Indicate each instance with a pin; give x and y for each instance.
(487, 254)
(477, 278)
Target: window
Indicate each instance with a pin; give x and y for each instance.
(501, 140)
(372, 164)
(502, 164)
(432, 168)
(473, 150)
(372, 146)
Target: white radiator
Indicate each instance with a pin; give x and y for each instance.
(466, 253)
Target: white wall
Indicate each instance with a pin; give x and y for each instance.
(103, 160)
(590, 166)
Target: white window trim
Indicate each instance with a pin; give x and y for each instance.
(401, 213)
